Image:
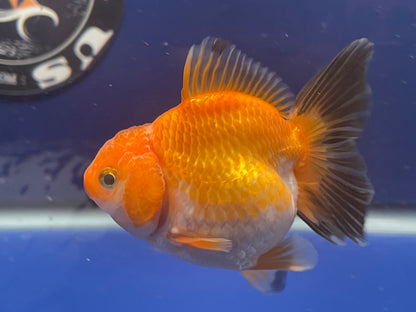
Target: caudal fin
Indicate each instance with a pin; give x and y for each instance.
(334, 190)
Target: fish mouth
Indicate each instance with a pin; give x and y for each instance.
(92, 185)
(89, 186)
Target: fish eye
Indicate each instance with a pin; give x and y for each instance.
(108, 178)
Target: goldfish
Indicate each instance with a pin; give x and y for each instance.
(219, 179)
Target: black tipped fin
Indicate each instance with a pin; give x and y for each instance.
(334, 190)
(215, 65)
(268, 282)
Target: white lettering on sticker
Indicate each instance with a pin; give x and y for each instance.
(95, 38)
(8, 78)
(52, 72)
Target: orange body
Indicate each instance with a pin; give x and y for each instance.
(224, 149)
(219, 179)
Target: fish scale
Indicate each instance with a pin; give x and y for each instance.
(232, 142)
(218, 179)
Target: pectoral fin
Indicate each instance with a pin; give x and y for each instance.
(293, 253)
(208, 243)
(269, 282)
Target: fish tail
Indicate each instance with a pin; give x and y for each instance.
(333, 188)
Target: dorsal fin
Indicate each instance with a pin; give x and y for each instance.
(216, 65)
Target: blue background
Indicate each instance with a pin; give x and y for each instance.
(113, 271)
(141, 77)
(47, 142)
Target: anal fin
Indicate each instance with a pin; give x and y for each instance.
(294, 253)
(208, 243)
(269, 282)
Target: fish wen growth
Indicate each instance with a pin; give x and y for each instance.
(218, 179)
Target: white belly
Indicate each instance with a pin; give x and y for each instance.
(250, 237)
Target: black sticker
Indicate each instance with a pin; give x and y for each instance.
(46, 44)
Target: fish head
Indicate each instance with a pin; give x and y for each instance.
(126, 180)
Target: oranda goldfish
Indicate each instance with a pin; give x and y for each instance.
(218, 179)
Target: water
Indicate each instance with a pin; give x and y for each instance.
(110, 270)
(48, 263)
